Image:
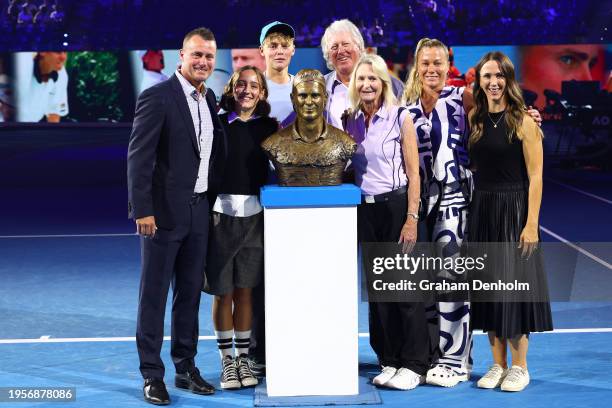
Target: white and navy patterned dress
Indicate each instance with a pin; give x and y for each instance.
(446, 185)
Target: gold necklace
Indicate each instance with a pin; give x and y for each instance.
(498, 120)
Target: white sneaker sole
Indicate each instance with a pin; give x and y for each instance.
(231, 385)
(490, 386)
(513, 389)
(388, 384)
(380, 380)
(249, 382)
(380, 383)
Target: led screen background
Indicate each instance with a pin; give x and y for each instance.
(102, 86)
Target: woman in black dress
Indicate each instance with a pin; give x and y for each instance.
(506, 150)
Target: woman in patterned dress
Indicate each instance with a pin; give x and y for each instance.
(439, 113)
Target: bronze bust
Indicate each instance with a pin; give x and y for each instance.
(309, 152)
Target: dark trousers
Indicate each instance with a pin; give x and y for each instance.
(398, 330)
(258, 326)
(178, 256)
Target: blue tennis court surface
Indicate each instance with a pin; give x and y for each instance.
(82, 293)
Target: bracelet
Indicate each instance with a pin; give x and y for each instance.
(413, 215)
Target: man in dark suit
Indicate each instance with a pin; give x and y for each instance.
(175, 147)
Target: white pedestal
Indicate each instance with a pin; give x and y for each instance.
(311, 299)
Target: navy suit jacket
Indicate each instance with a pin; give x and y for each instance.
(163, 155)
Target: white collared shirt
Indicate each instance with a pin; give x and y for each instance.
(378, 161)
(337, 99)
(199, 114)
(237, 205)
(35, 100)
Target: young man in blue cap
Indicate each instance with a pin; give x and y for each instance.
(277, 48)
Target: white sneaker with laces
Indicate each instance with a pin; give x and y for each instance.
(247, 379)
(405, 379)
(493, 378)
(386, 374)
(444, 376)
(516, 380)
(229, 374)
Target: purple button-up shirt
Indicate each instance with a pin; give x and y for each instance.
(378, 162)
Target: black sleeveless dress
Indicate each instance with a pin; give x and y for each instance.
(498, 213)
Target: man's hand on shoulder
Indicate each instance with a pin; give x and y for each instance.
(145, 226)
(535, 115)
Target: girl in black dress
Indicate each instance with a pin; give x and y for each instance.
(506, 151)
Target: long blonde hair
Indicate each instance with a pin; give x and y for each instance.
(414, 86)
(515, 108)
(380, 69)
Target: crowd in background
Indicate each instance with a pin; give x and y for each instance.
(41, 12)
(136, 24)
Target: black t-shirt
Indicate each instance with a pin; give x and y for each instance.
(497, 159)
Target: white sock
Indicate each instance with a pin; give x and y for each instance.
(224, 343)
(243, 342)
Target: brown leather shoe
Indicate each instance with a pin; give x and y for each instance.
(155, 392)
(193, 381)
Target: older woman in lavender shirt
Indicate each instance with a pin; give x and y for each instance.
(387, 172)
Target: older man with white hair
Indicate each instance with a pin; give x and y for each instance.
(342, 45)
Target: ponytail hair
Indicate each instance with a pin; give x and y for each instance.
(414, 86)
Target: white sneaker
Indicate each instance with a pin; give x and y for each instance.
(247, 378)
(493, 378)
(386, 374)
(405, 379)
(516, 380)
(229, 374)
(444, 376)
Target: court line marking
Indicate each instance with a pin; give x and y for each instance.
(166, 338)
(71, 235)
(586, 193)
(45, 339)
(577, 248)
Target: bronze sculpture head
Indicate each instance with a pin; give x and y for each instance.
(309, 152)
(309, 96)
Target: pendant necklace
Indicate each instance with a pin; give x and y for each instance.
(498, 120)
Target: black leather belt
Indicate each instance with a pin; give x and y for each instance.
(379, 198)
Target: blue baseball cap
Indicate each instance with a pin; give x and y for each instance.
(276, 27)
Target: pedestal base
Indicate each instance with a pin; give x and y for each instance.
(311, 292)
